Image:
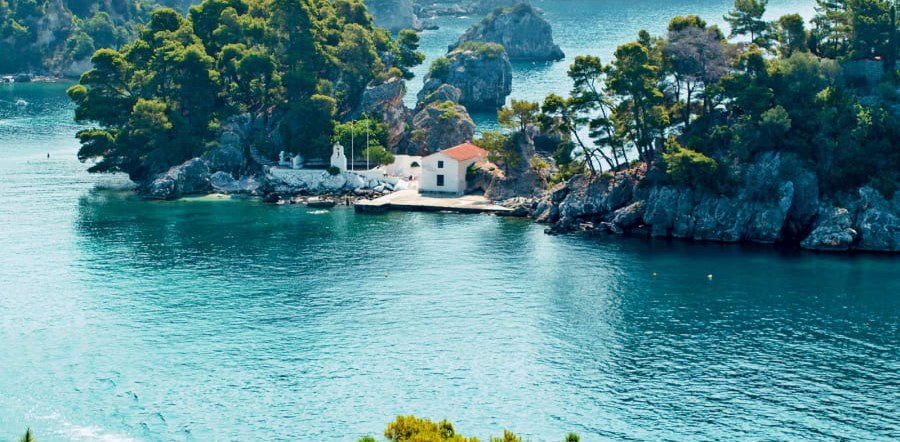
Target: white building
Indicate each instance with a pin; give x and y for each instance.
(445, 171)
(338, 159)
(405, 166)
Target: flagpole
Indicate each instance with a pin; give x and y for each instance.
(367, 143)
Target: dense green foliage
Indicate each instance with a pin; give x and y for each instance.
(519, 115)
(787, 91)
(688, 167)
(161, 99)
(747, 19)
(38, 35)
(377, 156)
(501, 148)
(414, 429)
(856, 29)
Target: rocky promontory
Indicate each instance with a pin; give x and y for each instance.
(481, 71)
(520, 29)
(777, 202)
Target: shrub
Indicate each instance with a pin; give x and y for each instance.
(539, 165)
(440, 69)
(487, 50)
(334, 171)
(449, 109)
(378, 155)
(775, 124)
(688, 167)
(411, 428)
(414, 429)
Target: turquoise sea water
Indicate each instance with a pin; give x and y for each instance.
(233, 320)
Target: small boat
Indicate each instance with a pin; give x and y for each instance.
(321, 204)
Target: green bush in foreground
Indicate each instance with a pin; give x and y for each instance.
(28, 437)
(414, 429)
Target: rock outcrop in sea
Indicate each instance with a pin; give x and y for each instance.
(394, 15)
(778, 201)
(520, 29)
(481, 71)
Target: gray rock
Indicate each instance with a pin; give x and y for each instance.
(385, 102)
(630, 216)
(483, 74)
(227, 158)
(521, 207)
(609, 227)
(767, 221)
(439, 126)
(777, 201)
(546, 212)
(520, 178)
(190, 177)
(669, 212)
(521, 30)
(333, 183)
(833, 231)
(438, 92)
(355, 182)
(878, 222)
(223, 182)
(591, 197)
(393, 15)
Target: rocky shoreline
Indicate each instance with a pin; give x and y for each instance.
(197, 177)
(774, 206)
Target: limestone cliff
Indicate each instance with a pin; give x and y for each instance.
(439, 125)
(385, 102)
(773, 204)
(481, 71)
(520, 29)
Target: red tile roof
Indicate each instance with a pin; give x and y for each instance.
(465, 151)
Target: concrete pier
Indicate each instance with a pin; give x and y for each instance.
(411, 200)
